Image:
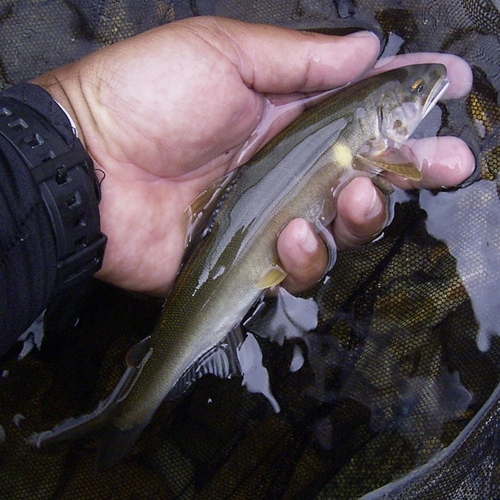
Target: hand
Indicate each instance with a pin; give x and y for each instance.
(166, 113)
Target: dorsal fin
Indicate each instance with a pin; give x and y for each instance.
(221, 361)
(136, 356)
(199, 213)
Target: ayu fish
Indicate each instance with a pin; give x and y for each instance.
(232, 256)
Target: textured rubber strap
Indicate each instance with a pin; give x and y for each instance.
(68, 186)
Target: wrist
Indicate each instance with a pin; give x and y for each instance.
(53, 86)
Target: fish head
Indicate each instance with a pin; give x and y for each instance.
(402, 109)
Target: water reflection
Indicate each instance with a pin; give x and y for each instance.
(468, 221)
(403, 340)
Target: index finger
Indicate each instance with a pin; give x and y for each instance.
(445, 162)
(272, 59)
(458, 71)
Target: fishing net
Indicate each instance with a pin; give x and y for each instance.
(398, 395)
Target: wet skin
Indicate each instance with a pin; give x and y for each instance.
(163, 123)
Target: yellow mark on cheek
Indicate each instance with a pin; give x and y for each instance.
(341, 155)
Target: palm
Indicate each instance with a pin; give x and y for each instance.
(154, 165)
(158, 165)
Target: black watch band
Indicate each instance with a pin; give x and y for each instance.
(69, 189)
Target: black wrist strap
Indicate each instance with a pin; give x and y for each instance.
(68, 186)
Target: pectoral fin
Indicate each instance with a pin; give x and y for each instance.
(389, 160)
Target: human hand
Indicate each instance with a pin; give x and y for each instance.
(166, 113)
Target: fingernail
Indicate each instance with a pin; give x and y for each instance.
(308, 241)
(375, 207)
(383, 62)
(362, 34)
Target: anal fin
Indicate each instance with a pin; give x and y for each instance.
(221, 361)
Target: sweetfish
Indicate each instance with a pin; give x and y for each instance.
(231, 258)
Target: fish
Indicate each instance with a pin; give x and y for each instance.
(232, 228)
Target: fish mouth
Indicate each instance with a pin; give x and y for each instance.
(435, 95)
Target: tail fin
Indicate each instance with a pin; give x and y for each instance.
(73, 428)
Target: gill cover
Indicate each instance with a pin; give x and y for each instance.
(401, 111)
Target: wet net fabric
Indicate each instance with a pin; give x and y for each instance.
(397, 397)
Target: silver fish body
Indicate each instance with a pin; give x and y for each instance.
(355, 131)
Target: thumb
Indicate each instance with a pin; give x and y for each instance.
(273, 59)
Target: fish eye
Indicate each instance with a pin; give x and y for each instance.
(418, 86)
